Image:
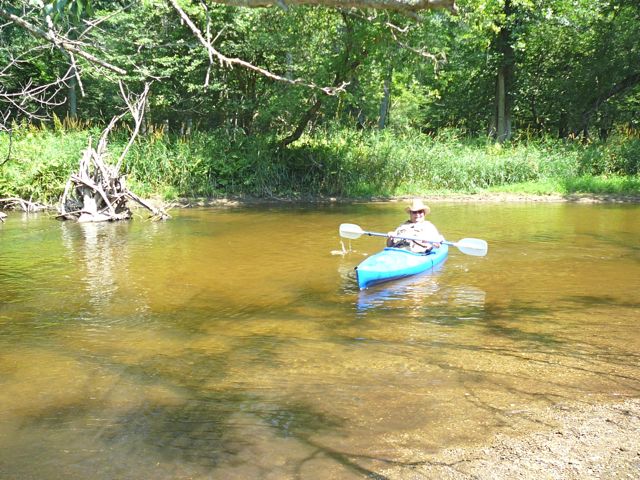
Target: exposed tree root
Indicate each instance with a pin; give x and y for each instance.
(98, 192)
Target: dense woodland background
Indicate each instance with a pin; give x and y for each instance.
(323, 99)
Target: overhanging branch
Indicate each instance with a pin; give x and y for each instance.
(224, 60)
(59, 41)
(394, 5)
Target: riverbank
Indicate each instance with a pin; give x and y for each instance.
(485, 197)
(329, 163)
(575, 441)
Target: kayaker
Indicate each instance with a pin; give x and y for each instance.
(416, 226)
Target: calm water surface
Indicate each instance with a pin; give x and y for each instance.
(234, 344)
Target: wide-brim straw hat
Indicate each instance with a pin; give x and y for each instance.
(417, 204)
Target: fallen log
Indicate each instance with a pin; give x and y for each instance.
(27, 206)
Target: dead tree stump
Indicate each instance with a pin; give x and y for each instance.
(98, 192)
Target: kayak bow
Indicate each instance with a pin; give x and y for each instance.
(393, 263)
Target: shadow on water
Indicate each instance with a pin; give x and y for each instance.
(604, 301)
(133, 354)
(210, 427)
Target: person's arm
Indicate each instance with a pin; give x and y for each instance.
(428, 246)
(390, 239)
(430, 233)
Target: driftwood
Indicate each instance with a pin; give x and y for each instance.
(98, 192)
(14, 203)
(27, 206)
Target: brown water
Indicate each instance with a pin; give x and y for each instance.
(234, 344)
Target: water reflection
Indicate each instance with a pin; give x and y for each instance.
(101, 248)
(420, 295)
(412, 292)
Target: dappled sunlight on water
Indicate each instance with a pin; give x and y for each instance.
(234, 343)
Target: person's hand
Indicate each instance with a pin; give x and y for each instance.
(390, 239)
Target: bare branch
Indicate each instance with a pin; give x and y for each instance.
(59, 41)
(28, 99)
(25, 205)
(136, 108)
(98, 192)
(91, 24)
(422, 52)
(394, 5)
(226, 61)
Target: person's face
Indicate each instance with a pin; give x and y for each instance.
(417, 216)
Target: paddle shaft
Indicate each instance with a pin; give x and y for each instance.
(469, 246)
(415, 239)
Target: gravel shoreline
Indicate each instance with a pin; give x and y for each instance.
(454, 197)
(578, 442)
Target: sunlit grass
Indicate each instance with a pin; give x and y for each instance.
(334, 162)
(603, 184)
(546, 187)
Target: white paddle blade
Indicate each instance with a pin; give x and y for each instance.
(350, 230)
(473, 246)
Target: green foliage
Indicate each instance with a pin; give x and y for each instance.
(602, 185)
(577, 67)
(202, 165)
(75, 9)
(213, 130)
(333, 162)
(40, 163)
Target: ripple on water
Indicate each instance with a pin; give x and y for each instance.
(231, 342)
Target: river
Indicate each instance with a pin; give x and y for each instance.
(233, 343)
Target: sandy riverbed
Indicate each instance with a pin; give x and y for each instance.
(574, 442)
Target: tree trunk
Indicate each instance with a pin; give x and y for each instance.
(563, 125)
(72, 96)
(302, 124)
(502, 113)
(386, 99)
(405, 6)
(501, 127)
(618, 88)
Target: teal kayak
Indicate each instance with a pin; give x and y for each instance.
(394, 263)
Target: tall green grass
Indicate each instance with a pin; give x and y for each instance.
(39, 162)
(333, 162)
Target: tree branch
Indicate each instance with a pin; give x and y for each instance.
(619, 88)
(59, 41)
(394, 5)
(226, 61)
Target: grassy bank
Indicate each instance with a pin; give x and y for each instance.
(331, 163)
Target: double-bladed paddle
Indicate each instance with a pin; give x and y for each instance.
(468, 246)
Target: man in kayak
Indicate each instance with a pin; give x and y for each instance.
(416, 226)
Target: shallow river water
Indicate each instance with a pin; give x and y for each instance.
(233, 343)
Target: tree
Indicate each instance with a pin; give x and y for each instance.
(403, 6)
